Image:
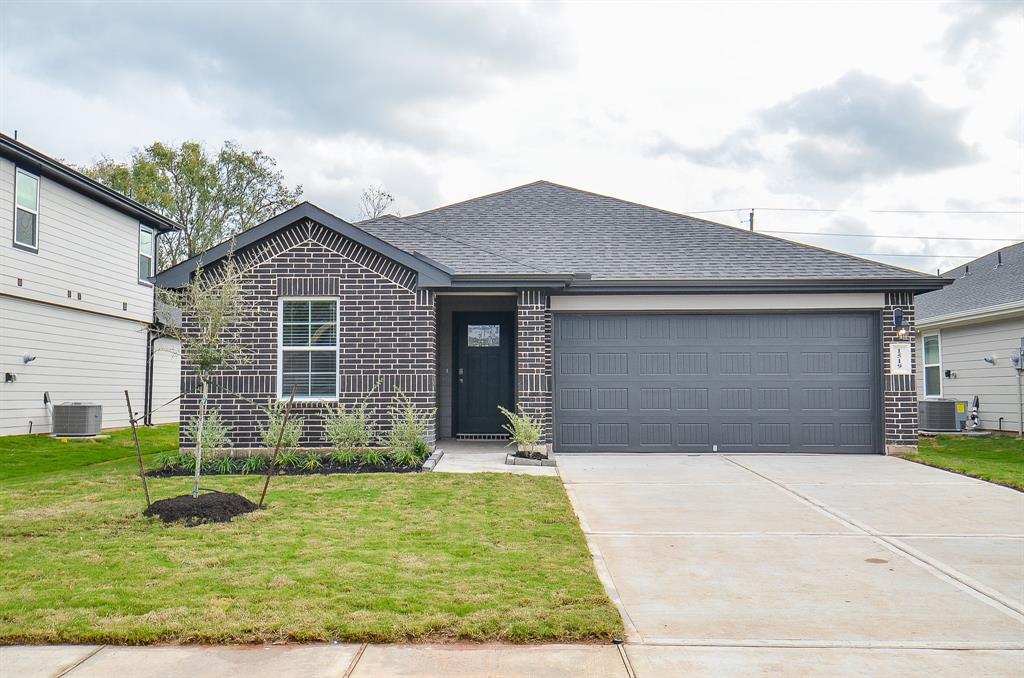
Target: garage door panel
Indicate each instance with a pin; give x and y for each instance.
(741, 383)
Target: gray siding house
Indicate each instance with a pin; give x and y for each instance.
(77, 297)
(621, 327)
(968, 334)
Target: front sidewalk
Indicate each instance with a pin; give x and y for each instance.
(312, 661)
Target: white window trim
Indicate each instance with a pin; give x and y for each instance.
(152, 254)
(14, 236)
(925, 365)
(281, 350)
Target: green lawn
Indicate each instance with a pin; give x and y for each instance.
(997, 459)
(376, 557)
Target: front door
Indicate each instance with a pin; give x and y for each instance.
(483, 370)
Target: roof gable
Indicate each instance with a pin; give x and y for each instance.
(429, 273)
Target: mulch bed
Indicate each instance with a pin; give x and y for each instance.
(326, 469)
(211, 507)
(529, 455)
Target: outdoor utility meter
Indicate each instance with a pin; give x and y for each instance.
(1018, 359)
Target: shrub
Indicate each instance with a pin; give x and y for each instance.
(522, 428)
(348, 426)
(409, 425)
(215, 433)
(345, 457)
(374, 458)
(288, 459)
(254, 463)
(167, 461)
(411, 457)
(311, 461)
(187, 462)
(227, 465)
(275, 418)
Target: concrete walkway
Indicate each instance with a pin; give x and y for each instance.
(805, 565)
(467, 456)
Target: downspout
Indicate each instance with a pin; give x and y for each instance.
(151, 337)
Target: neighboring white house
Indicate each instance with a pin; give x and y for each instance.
(76, 297)
(969, 335)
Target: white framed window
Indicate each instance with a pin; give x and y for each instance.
(26, 210)
(307, 341)
(147, 253)
(932, 360)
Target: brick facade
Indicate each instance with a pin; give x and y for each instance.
(900, 392)
(387, 332)
(533, 357)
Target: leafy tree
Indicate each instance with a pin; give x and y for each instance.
(213, 196)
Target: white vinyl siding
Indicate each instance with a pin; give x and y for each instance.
(308, 348)
(26, 209)
(78, 357)
(963, 350)
(931, 358)
(85, 248)
(166, 380)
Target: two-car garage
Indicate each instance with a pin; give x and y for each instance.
(804, 382)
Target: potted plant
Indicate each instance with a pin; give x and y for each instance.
(524, 432)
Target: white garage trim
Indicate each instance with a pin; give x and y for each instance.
(718, 302)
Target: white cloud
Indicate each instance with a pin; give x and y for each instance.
(444, 102)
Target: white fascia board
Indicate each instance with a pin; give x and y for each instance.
(976, 315)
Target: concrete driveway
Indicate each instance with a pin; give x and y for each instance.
(805, 565)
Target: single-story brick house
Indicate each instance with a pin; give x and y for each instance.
(621, 327)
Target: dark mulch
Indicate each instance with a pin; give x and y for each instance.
(326, 469)
(529, 455)
(211, 507)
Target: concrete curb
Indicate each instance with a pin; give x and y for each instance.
(432, 461)
(513, 460)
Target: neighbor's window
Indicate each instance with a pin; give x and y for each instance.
(932, 366)
(26, 209)
(309, 348)
(147, 252)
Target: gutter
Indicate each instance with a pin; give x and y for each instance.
(974, 315)
(30, 159)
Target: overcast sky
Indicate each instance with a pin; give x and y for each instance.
(689, 107)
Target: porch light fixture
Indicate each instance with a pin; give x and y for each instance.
(900, 323)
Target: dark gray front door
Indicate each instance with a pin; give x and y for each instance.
(769, 382)
(483, 377)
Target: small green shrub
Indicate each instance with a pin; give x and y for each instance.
(288, 459)
(187, 462)
(215, 434)
(311, 461)
(275, 419)
(345, 457)
(409, 425)
(167, 461)
(348, 426)
(421, 449)
(254, 463)
(227, 465)
(522, 428)
(374, 458)
(411, 457)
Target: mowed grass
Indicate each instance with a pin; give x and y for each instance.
(383, 557)
(998, 459)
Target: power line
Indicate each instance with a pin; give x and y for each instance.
(902, 237)
(810, 209)
(925, 256)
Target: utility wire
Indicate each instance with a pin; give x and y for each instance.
(809, 209)
(902, 237)
(926, 256)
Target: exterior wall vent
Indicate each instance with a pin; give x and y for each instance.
(77, 419)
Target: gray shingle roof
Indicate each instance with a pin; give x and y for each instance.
(977, 285)
(547, 228)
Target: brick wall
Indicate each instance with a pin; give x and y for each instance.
(900, 396)
(387, 332)
(533, 357)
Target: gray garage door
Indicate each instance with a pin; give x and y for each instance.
(728, 383)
